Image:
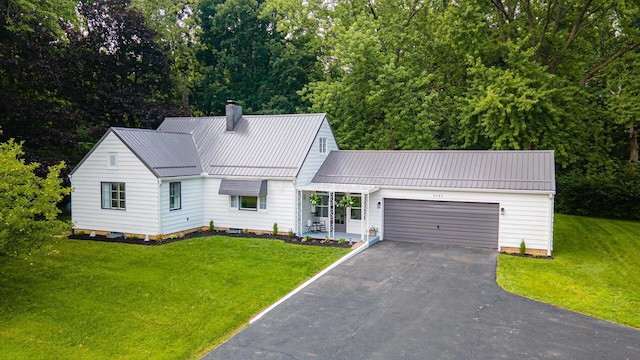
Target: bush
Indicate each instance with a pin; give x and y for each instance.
(614, 195)
(275, 229)
(159, 238)
(211, 227)
(342, 241)
(523, 248)
(28, 203)
(291, 233)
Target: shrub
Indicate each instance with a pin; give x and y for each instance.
(134, 237)
(290, 233)
(28, 203)
(173, 237)
(523, 248)
(615, 194)
(81, 232)
(200, 230)
(342, 241)
(159, 238)
(245, 231)
(275, 229)
(211, 227)
(327, 239)
(307, 238)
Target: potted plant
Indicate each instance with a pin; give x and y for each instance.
(315, 199)
(373, 231)
(346, 201)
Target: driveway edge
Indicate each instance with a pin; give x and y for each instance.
(353, 253)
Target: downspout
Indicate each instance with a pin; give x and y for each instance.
(159, 207)
(551, 216)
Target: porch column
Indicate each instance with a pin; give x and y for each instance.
(299, 213)
(332, 210)
(364, 224)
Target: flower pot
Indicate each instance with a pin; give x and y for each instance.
(372, 233)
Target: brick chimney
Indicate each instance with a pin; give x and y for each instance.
(234, 113)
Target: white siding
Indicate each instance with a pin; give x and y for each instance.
(314, 158)
(190, 215)
(141, 214)
(527, 217)
(281, 195)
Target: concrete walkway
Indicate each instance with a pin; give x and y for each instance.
(411, 301)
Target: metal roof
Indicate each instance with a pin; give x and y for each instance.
(268, 146)
(463, 169)
(166, 154)
(243, 187)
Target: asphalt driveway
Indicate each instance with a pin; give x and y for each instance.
(412, 301)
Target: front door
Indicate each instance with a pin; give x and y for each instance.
(339, 223)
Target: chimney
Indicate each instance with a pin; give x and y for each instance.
(234, 113)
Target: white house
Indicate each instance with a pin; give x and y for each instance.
(249, 172)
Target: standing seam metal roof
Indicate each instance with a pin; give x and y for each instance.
(268, 146)
(465, 169)
(166, 154)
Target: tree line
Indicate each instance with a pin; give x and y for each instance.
(391, 74)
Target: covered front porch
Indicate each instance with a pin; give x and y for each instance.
(338, 211)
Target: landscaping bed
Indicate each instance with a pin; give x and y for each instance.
(197, 234)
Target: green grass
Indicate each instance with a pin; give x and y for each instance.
(595, 270)
(93, 300)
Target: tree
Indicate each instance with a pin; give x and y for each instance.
(124, 75)
(28, 203)
(244, 57)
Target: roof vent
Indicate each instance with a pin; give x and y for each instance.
(234, 112)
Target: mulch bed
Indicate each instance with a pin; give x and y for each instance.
(291, 240)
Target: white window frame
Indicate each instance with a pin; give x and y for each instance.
(233, 201)
(107, 191)
(322, 142)
(112, 160)
(177, 198)
(354, 197)
(323, 207)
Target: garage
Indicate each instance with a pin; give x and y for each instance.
(472, 224)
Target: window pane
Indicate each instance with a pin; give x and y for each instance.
(263, 202)
(174, 195)
(248, 202)
(356, 214)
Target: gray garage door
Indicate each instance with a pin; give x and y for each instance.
(441, 222)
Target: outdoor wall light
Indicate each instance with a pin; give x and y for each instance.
(379, 204)
(502, 211)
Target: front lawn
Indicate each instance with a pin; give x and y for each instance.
(595, 270)
(94, 300)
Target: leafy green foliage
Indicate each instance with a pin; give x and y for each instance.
(523, 248)
(28, 203)
(275, 229)
(610, 195)
(243, 57)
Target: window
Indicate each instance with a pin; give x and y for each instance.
(323, 145)
(113, 196)
(263, 202)
(356, 209)
(248, 202)
(322, 209)
(175, 192)
(113, 161)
